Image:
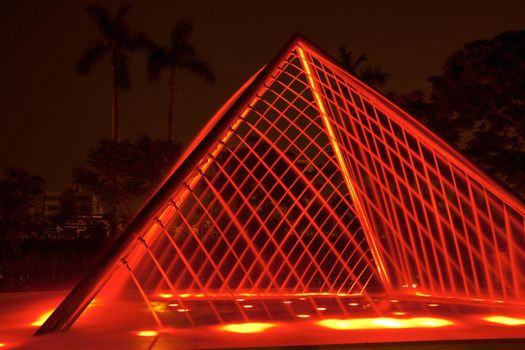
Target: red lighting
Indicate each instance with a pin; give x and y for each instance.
(165, 295)
(147, 333)
(308, 185)
(244, 328)
(42, 318)
(505, 320)
(385, 322)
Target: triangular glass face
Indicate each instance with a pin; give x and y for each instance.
(266, 214)
(441, 226)
(311, 188)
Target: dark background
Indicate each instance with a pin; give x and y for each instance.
(51, 117)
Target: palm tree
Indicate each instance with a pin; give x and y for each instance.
(116, 42)
(372, 75)
(180, 54)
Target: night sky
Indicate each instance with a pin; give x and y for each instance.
(51, 116)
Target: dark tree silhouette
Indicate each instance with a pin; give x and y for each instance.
(117, 42)
(122, 174)
(373, 75)
(18, 192)
(481, 93)
(478, 105)
(416, 104)
(179, 54)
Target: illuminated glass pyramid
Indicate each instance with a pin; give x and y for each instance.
(307, 183)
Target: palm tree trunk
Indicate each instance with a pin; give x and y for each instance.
(115, 127)
(171, 104)
(115, 137)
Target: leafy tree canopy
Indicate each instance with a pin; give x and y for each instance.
(18, 194)
(478, 105)
(123, 174)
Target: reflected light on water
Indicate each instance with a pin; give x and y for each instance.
(505, 320)
(384, 322)
(147, 333)
(245, 328)
(165, 295)
(42, 318)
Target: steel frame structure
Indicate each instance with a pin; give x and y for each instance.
(309, 182)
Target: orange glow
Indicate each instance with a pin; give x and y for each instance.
(244, 295)
(147, 334)
(245, 328)
(2, 345)
(94, 303)
(384, 322)
(165, 295)
(40, 321)
(226, 240)
(159, 306)
(505, 320)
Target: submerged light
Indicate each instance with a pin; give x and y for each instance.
(256, 327)
(165, 295)
(42, 318)
(384, 322)
(147, 333)
(505, 320)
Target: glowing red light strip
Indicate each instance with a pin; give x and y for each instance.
(314, 190)
(421, 132)
(362, 216)
(483, 215)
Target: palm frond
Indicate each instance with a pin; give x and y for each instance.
(158, 60)
(360, 60)
(345, 57)
(199, 67)
(90, 56)
(121, 13)
(183, 51)
(181, 32)
(102, 19)
(137, 41)
(374, 75)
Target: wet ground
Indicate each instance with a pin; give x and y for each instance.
(419, 323)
